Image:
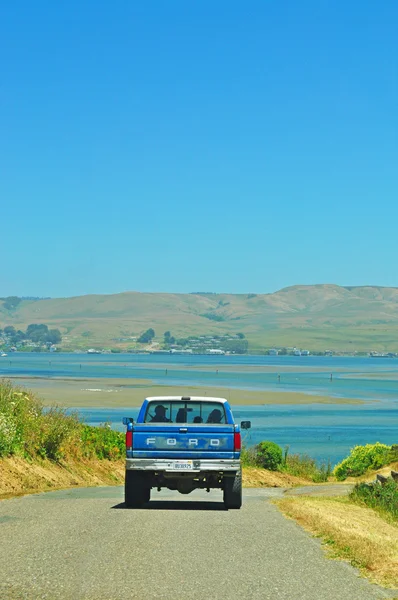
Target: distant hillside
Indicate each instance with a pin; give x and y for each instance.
(318, 317)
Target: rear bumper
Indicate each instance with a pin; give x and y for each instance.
(167, 465)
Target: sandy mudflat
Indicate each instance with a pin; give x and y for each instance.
(379, 376)
(109, 393)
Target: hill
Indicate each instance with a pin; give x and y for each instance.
(317, 317)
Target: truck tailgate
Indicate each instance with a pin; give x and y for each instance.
(185, 441)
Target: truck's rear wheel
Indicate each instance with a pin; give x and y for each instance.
(136, 492)
(233, 491)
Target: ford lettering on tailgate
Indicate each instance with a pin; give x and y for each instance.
(179, 442)
(192, 442)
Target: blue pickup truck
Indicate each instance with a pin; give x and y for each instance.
(183, 443)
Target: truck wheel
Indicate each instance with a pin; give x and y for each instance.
(233, 491)
(136, 493)
(147, 494)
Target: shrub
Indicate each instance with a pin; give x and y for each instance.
(379, 497)
(213, 317)
(57, 434)
(19, 411)
(102, 442)
(363, 458)
(268, 455)
(7, 435)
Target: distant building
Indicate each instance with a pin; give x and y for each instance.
(273, 352)
(215, 351)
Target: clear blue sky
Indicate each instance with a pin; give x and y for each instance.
(182, 146)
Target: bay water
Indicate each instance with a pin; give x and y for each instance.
(324, 431)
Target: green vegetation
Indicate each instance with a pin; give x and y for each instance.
(29, 430)
(268, 455)
(147, 336)
(383, 498)
(302, 465)
(363, 459)
(42, 335)
(213, 316)
(102, 442)
(168, 338)
(239, 346)
(37, 334)
(11, 302)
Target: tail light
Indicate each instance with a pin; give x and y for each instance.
(129, 440)
(237, 441)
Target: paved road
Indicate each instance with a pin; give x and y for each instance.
(82, 544)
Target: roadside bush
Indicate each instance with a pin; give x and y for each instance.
(102, 442)
(30, 430)
(57, 434)
(268, 455)
(19, 414)
(7, 435)
(379, 497)
(363, 458)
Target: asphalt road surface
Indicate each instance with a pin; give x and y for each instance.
(83, 544)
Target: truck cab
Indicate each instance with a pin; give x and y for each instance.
(183, 443)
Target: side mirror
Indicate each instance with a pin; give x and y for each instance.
(245, 424)
(127, 420)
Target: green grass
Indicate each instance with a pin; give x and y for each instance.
(383, 498)
(302, 465)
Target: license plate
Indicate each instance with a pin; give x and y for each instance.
(182, 465)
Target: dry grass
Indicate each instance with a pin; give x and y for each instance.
(371, 475)
(255, 477)
(351, 532)
(19, 476)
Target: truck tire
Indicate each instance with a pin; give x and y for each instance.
(233, 491)
(136, 492)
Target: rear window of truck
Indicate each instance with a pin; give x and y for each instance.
(193, 413)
